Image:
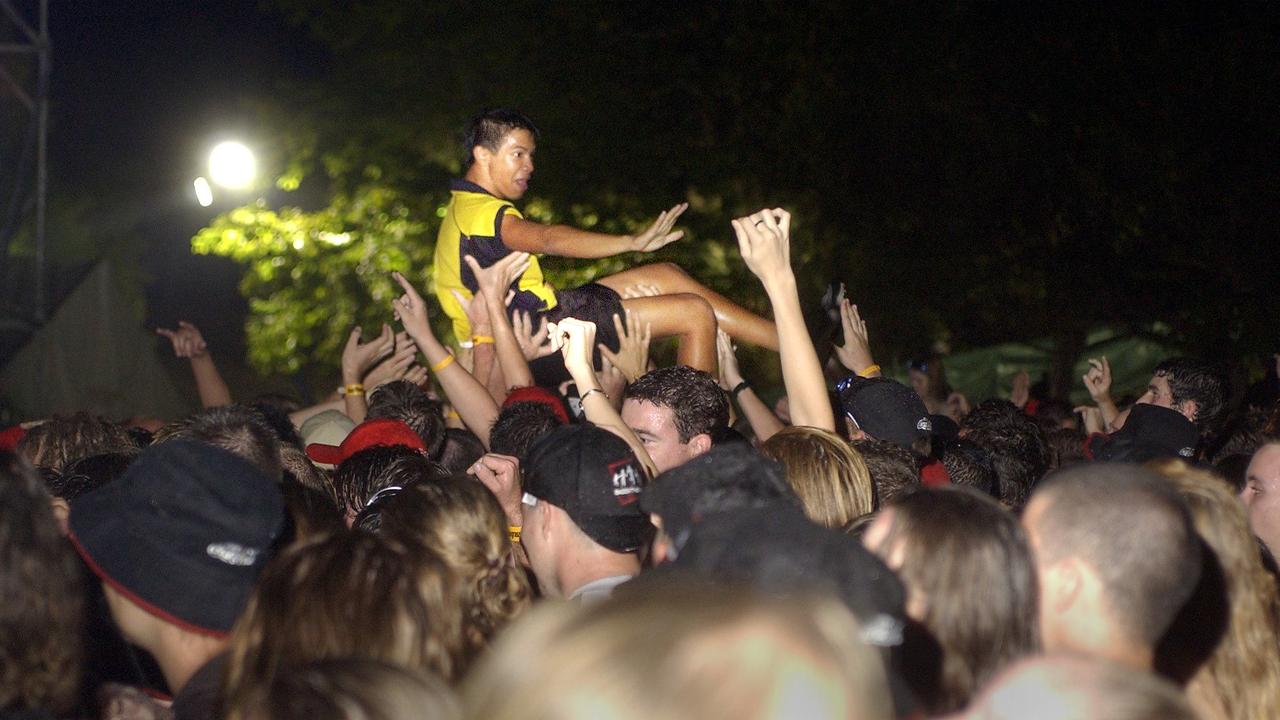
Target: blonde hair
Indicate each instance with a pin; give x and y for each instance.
(459, 521)
(826, 472)
(353, 690)
(682, 652)
(1244, 670)
(347, 595)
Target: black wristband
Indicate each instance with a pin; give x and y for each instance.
(737, 389)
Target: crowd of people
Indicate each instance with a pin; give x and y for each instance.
(535, 521)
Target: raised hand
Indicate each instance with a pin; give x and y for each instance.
(632, 358)
(357, 358)
(411, 310)
(477, 310)
(855, 354)
(395, 365)
(417, 375)
(1098, 380)
(659, 234)
(730, 375)
(501, 474)
(534, 342)
(497, 278)
(187, 340)
(764, 241)
(574, 339)
(1021, 392)
(612, 380)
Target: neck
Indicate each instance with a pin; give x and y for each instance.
(476, 174)
(180, 654)
(593, 565)
(1099, 639)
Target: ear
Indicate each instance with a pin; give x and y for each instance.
(1189, 409)
(700, 443)
(61, 512)
(1063, 585)
(855, 433)
(480, 154)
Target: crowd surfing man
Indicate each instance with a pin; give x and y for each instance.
(482, 226)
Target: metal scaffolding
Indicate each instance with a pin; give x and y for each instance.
(28, 54)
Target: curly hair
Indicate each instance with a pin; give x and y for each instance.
(698, 403)
(63, 439)
(830, 477)
(346, 595)
(1243, 672)
(40, 597)
(1202, 382)
(458, 520)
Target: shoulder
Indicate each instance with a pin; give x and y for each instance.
(476, 212)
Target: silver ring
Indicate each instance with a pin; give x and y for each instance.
(759, 223)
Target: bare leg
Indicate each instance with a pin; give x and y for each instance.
(740, 323)
(685, 316)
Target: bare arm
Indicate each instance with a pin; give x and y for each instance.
(764, 239)
(189, 343)
(565, 241)
(763, 422)
(494, 281)
(470, 398)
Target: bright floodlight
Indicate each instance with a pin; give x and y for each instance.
(231, 165)
(204, 193)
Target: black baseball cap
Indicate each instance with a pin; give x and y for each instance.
(885, 409)
(593, 476)
(183, 533)
(1149, 432)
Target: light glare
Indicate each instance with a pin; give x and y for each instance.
(204, 193)
(231, 165)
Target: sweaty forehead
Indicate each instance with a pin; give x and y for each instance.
(644, 415)
(518, 138)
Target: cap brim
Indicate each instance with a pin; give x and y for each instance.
(328, 454)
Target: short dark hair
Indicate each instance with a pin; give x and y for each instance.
(518, 425)
(89, 473)
(893, 469)
(402, 400)
(489, 126)
(698, 403)
(460, 450)
(235, 428)
(63, 439)
(969, 465)
(1015, 444)
(1199, 381)
(1129, 525)
(360, 476)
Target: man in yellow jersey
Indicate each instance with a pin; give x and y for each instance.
(482, 222)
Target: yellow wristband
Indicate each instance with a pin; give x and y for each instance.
(866, 372)
(513, 531)
(354, 389)
(442, 364)
(482, 340)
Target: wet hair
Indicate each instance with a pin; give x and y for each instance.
(893, 469)
(353, 690)
(969, 465)
(1015, 444)
(298, 466)
(460, 521)
(969, 559)
(683, 651)
(346, 595)
(697, 402)
(826, 472)
(310, 512)
(460, 450)
(1242, 668)
(402, 400)
(1197, 380)
(1066, 447)
(234, 428)
(489, 127)
(278, 420)
(63, 439)
(89, 473)
(368, 471)
(518, 425)
(41, 597)
(1131, 528)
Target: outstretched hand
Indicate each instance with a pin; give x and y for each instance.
(632, 358)
(357, 358)
(1020, 394)
(574, 339)
(764, 240)
(730, 375)
(1098, 380)
(855, 354)
(410, 309)
(659, 234)
(534, 342)
(394, 366)
(187, 340)
(497, 278)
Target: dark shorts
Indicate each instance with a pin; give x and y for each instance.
(592, 302)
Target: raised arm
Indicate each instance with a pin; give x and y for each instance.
(764, 239)
(565, 241)
(494, 281)
(763, 422)
(1098, 382)
(472, 401)
(357, 359)
(575, 339)
(189, 343)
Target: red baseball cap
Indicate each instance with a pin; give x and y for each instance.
(370, 433)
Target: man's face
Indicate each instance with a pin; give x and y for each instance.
(1158, 393)
(1261, 495)
(511, 166)
(655, 425)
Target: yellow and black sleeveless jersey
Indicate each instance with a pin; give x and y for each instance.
(473, 226)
